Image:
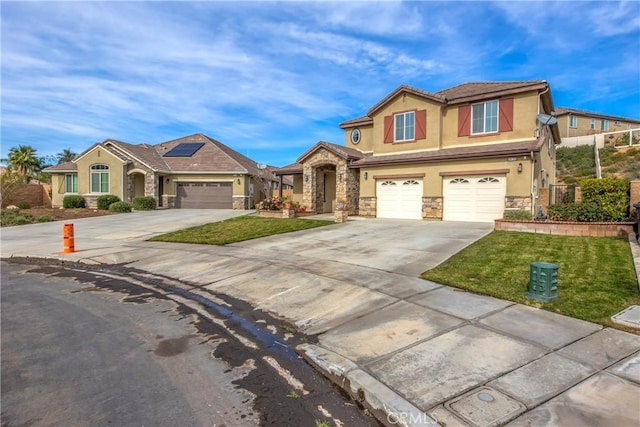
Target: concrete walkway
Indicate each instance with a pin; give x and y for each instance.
(414, 351)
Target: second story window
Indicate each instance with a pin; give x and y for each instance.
(405, 125)
(604, 125)
(99, 178)
(573, 121)
(484, 117)
(592, 124)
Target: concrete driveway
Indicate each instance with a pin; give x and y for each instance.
(401, 246)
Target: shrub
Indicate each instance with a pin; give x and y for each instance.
(518, 215)
(24, 205)
(45, 218)
(73, 202)
(120, 207)
(106, 200)
(144, 203)
(610, 194)
(577, 212)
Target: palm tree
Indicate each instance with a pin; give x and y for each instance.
(24, 160)
(65, 156)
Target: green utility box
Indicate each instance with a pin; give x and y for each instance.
(543, 281)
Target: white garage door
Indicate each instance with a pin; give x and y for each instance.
(399, 198)
(477, 199)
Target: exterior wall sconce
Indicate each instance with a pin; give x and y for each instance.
(306, 178)
(238, 180)
(366, 175)
(519, 167)
(168, 180)
(340, 177)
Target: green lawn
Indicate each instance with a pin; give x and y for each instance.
(239, 229)
(596, 275)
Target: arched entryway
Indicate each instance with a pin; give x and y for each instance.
(325, 178)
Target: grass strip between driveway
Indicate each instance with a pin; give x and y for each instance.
(596, 275)
(239, 229)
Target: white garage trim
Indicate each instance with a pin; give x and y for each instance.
(399, 198)
(473, 198)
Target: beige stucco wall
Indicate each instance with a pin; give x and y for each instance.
(518, 184)
(366, 138)
(525, 109)
(57, 189)
(116, 172)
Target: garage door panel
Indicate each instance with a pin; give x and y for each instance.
(401, 199)
(478, 199)
(205, 195)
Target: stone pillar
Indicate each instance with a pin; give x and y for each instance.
(288, 213)
(578, 194)
(309, 186)
(432, 207)
(341, 216)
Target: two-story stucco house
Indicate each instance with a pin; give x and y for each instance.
(194, 171)
(465, 153)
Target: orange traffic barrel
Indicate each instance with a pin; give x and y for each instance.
(67, 238)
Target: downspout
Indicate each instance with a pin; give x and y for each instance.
(533, 195)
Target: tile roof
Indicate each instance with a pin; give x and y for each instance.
(467, 152)
(214, 156)
(473, 90)
(561, 111)
(465, 92)
(63, 167)
(292, 169)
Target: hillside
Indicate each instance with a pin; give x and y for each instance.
(575, 164)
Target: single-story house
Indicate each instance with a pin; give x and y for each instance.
(194, 171)
(465, 153)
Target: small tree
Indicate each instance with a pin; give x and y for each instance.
(23, 160)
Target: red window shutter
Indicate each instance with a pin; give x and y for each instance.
(421, 124)
(506, 115)
(464, 120)
(388, 129)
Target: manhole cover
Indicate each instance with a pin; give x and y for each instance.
(485, 407)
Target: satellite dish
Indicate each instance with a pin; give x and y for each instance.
(547, 119)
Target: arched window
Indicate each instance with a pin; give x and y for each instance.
(99, 178)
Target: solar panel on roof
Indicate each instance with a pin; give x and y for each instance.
(186, 149)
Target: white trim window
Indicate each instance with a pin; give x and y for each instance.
(592, 124)
(71, 183)
(405, 126)
(484, 117)
(604, 125)
(99, 178)
(573, 121)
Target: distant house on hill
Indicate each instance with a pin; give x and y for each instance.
(578, 127)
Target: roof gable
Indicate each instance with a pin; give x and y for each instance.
(338, 150)
(475, 91)
(405, 89)
(105, 148)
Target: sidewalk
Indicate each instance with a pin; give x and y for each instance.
(415, 352)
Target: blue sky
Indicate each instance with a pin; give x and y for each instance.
(271, 79)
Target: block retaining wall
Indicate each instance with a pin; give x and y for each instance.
(565, 228)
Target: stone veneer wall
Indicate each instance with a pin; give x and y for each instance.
(367, 206)
(240, 202)
(432, 207)
(349, 180)
(634, 195)
(562, 228)
(168, 202)
(353, 191)
(150, 181)
(518, 202)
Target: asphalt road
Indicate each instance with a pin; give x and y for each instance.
(102, 348)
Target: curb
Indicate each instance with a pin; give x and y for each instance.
(388, 407)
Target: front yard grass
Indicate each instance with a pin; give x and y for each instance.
(596, 275)
(239, 229)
